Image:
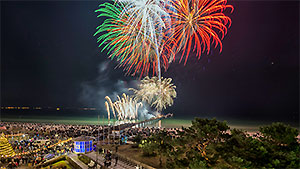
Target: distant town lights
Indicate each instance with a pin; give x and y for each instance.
(40, 108)
(24, 108)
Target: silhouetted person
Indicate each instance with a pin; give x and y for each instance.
(116, 158)
(105, 163)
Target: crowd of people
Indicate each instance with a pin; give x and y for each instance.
(148, 131)
(50, 130)
(33, 147)
(33, 152)
(41, 141)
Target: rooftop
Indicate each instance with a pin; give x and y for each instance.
(83, 138)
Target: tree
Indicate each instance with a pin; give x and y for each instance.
(282, 145)
(279, 133)
(208, 144)
(239, 150)
(276, 149)
(207, 130)
(192, 145)
(163, 144)
(158, 144)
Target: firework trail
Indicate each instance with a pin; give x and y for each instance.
(157, 93)
(151, 15)
(133, 34)
(125, 107)
(198, 21)
(143, 34)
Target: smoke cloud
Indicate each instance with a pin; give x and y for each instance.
(144, 112)
(106, 84)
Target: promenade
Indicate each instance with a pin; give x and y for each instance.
(94, 156)
(120, 165)
(75, 159)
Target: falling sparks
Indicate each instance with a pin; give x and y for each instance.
(198, 21)
(133, 34)
(123, 108)
(145, 35)
(159, 93)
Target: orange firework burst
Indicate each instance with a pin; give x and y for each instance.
(197, 22)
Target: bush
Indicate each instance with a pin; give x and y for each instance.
(61, 164)
(137, 140)
(86, 160)
(148, 148)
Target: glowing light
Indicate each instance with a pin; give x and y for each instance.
(159, 93)
(6, 148)
(125, 107)
(198, 21)
(133, 34)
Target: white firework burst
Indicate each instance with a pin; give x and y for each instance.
(157, 93)
(123, 108)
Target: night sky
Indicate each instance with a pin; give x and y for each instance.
(48, 55)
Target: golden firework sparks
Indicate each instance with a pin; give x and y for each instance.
(159, 93)
(125, 107)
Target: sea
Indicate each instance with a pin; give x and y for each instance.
(94, 117)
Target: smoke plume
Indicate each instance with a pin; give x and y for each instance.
(107, 84)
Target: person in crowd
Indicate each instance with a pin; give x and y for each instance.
(116, 158)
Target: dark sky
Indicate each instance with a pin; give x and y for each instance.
(48, 51)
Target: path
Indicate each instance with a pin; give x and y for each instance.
(120, 164)
(77, 161)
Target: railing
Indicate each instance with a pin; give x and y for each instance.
(51, 161)
(133, 162)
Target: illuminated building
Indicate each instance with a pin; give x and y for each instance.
(83, 144)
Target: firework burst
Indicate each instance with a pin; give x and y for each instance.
(198, 21)
(124, 108)
(133, 35)
(159, 93)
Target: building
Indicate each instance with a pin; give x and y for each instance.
(83, 144)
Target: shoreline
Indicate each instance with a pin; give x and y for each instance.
(250, 126)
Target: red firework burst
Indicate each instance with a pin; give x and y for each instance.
(197, 22)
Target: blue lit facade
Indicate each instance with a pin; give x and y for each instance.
(83, 146)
